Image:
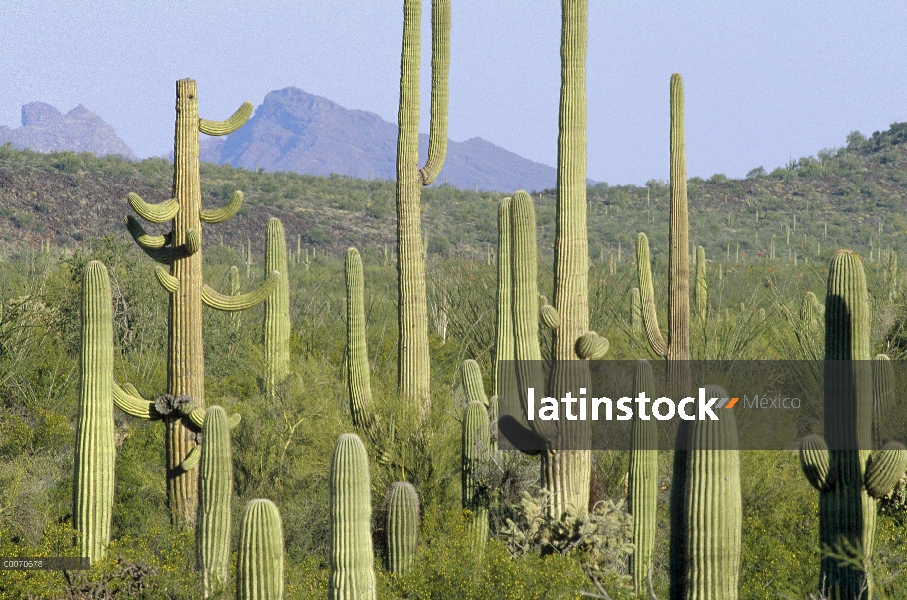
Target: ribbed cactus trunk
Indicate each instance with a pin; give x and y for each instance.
(643, 482)
(475, 453)
(95, 451)
(358, 370)
(402, 527)
(260, 561)
(214, 523)
(186, 358)
(352, 557)
(713, 515)
(277, 309)
(566, 473)
(503, 349)
(413, 359)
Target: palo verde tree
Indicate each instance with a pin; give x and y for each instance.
(413, 360)
(181, 250)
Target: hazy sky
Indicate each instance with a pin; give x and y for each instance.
(765, 81)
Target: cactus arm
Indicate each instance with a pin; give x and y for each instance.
(440, 66)
(218, 301)
(647, 295)
(591, 346)
(814, 460)
(132, 404)
(550, 317)
(193, 242)
(152, 245)
(219, 215)
(154, 213)
(236, 121)
(167, 281)
(886, 467)
(192, 459)
(197, 416)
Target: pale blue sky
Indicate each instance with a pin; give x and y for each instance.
(765, 81)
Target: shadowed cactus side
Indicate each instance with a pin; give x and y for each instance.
(713, 509)
(402, 527)
(180, 249)
(849, 478)
(352, 557)
(643, 481)
(213, 525)
(475, 453)
(95, 451)
(260, 560)
(413, 358)
(277, 309)
(358, 370)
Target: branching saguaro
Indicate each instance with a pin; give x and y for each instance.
(413, 360)
(181, 250)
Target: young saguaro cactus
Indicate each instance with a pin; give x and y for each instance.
(352, 557)
(635, 311)
(413, 358)
(475, 452)
(214, 523)
(95, 452)
(358, 369)
(643, 481)
(260, 561)
(277, 308)
(181, 250)
(503, 349)
(713, 509)
(402, 527)
(702, 287)
(840, 466)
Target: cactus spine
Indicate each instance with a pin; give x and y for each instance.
(260, 561)
(713, 508)
(402, 527)
(413, 358)
(677, 348)
(277, 308)
(180, 249)
(643, 482)
(504, 327)
(352, 558)
(358, 371)
(215, 481)
(475, 452)
(702, 287)
(95, 452)
(848, 478)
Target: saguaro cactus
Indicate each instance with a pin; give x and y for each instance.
(260, 561)
(503, 349)
(358, 370)
(635, 311)
(849, 479)
(277, 308)
(413, 359)
(180, 249)
(402, 527)
(95, 452)
(214, 524)
(475, 452)
(643, 481)
(702, 287)
(713, 510)
(352, 557)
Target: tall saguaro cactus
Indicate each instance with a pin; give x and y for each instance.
(849, 479)
(475, 451)
(503, 348)
(413, 358)
(181, 250)
(352, 557)
(277, 308)
(95, 452)
(643, 481)
(358, 370)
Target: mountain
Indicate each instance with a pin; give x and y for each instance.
(46, 129)
(296, 131)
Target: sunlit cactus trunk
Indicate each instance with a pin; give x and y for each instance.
(358, 369)
(643, 482)
(180, 249)
(277, 309)
(95, 452)
(413, 358)
(504, 318)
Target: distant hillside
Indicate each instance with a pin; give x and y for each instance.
(303, 133)
(835, 200)
(46, 129)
